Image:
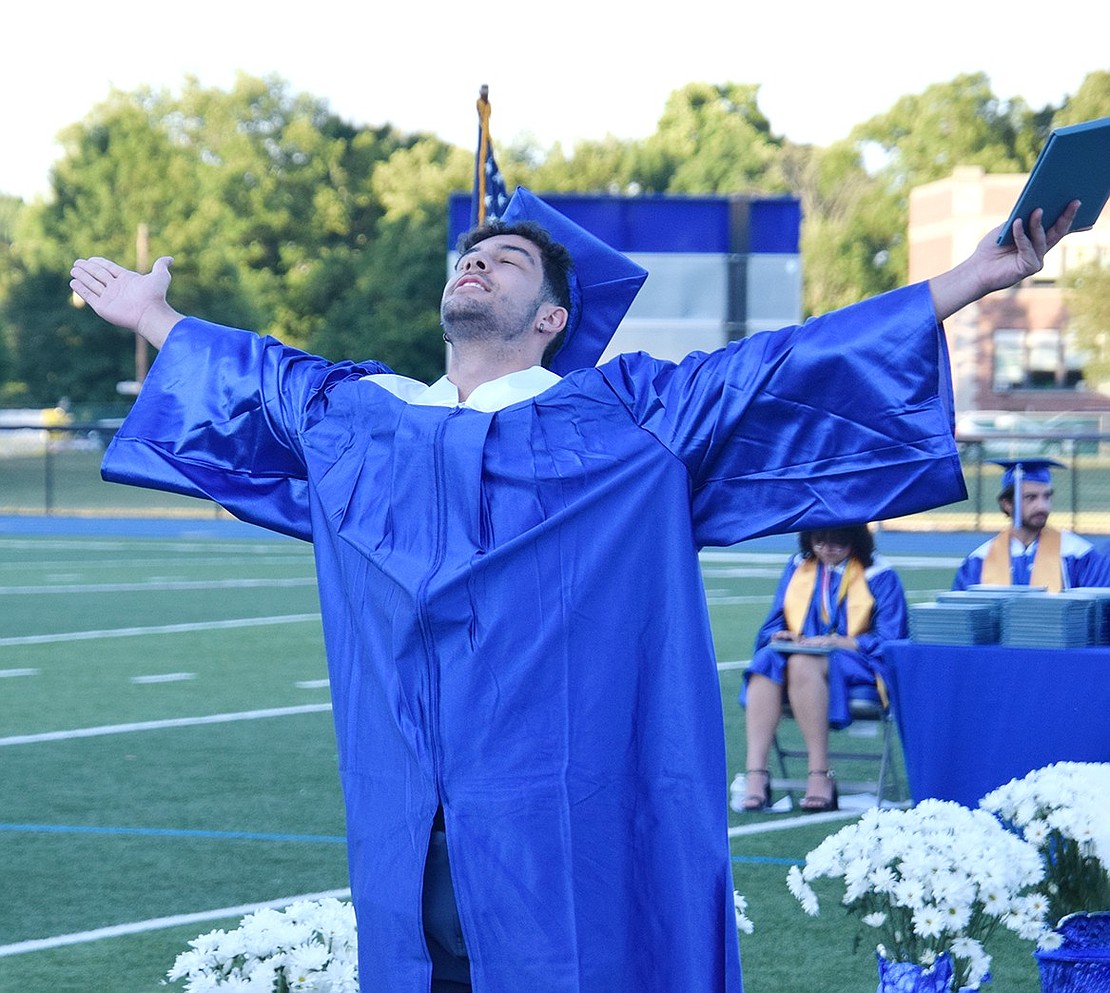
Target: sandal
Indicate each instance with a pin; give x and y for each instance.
(814, 803)
(753, 803)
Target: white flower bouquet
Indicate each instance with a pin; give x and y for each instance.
(937, 878)
(743, 922)
(1062, 810)
(309, 947)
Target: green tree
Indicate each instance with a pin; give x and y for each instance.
(855, 193)
(712, 139)
(606, 166)
(265, 199)
(1088, 288)
(1088, 298)
(850, 244)
(62, 350)
(923, 137)
(10, 208)
(1090, 102)
(382, 301)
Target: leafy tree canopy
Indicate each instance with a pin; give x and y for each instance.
(288, 220)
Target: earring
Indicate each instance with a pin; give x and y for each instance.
(445, 338)
(541, 325)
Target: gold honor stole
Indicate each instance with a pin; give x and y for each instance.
(1047, 570)
(853, 587)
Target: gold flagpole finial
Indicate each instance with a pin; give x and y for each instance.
(483, 150)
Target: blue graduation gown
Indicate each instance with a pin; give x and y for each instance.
(1080, 564)
(514, 616)
(846, 668)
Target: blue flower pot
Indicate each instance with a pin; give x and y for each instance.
(1082, 962)
(909, 977)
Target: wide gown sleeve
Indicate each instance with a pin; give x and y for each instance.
(220, 416)
(845, 419)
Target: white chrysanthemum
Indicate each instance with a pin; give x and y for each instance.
(802, 891)
(910, 893)
(953, 887)
(876, 919)
(856, 879)
(994, 900)
(305, 959)
(204, 984)
(340, 977)
(979, 962)
(740, 905)
(1036, 831)
(955, 915)
(928, 922)
(298, 948)
(1032, 905)
(1049, 940)
(883, 879)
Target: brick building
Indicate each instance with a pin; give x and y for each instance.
(1011, 351)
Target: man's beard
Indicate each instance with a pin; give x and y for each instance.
(473, 320)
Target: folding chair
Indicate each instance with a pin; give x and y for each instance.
(868, 705)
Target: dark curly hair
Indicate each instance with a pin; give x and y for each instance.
(554, 256)
(857, 537)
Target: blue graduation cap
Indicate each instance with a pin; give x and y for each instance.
(603, 282)
(1018, 471)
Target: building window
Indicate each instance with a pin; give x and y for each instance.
(1042, 359)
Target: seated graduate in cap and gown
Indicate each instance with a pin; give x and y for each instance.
(1029, 552)
(516, 626)
(838, 595)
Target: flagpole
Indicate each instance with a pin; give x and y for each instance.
(483, 150)
(1019, 511)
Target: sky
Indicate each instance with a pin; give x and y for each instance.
(579, 70)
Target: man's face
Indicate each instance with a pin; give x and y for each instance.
(495, 290)
(1036, 505)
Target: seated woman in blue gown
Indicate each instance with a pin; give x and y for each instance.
(836, 603)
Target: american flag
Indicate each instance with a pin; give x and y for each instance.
(490, 198)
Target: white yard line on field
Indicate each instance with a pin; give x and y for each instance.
(171, 722)
(240, 622)
(159, 923)
(157, 586)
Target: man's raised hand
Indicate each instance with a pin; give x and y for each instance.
(127, 298)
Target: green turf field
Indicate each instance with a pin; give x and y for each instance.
(166, 754)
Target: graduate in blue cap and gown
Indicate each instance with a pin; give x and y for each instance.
(517, 634)
(836, 604)
(1029, 552)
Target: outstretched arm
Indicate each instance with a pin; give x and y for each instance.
(991, 267)
(127, 298)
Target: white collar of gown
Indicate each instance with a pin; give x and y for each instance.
(488, 397)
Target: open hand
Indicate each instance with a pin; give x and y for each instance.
(1005, 265)
(994, 267)
(127, 298)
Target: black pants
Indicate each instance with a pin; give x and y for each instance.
(442, 931)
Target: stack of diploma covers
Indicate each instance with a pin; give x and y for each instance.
(1047, 622)
(1021, 616)
(1100, 610)
(960, 622)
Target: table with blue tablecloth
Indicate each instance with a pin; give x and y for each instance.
(973, 717)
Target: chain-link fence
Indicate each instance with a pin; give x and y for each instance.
(56, 470)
